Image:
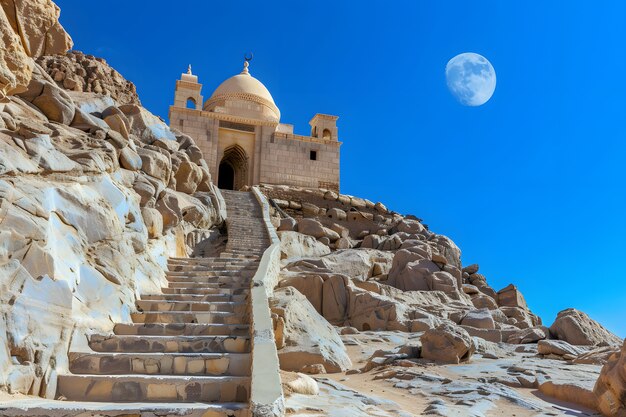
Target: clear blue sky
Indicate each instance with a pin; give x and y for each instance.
(531, 185)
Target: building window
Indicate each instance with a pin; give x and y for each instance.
(326, 134)
(191, 103)
(313, 155)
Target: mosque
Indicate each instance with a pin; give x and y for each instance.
(243, 141)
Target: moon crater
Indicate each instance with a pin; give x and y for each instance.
(471, 79)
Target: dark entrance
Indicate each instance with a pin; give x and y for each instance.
(233, 170)
(226, 176)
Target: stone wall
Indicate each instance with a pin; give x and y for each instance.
(286, 160)
(273, 157)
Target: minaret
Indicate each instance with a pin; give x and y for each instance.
(187, 93)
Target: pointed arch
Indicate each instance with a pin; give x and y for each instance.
(233, 169)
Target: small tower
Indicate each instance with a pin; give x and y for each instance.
(324, 126)
(187, 94)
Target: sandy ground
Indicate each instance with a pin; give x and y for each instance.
(445, 390)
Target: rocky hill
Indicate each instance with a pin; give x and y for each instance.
(372, 312)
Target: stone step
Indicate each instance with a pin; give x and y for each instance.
(227, 280)
(217, 273)
(203, 261)
(208, 298)
(209, 317)
(139, 388)
(205, 284)
(225, 267)
(99, 363)
(205, 291)
(35, 407)
(155, 305)
(181, 329)
(170, 344)
(227, 254)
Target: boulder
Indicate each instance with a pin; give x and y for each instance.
(480, 319)
(335, 296)
(558, 348)
(146, 126)
(411, 227)
(610, 389)
(447, 344)
(155, 164)
(484, 301)
(530, 335)
(188, 177)
(37, 24)
(310, 210)
(597, 356)
(577, 328)
(336, 214)
(299, 383)
(118, 123)
(298, 245)
(15, 64)
(129, 159)
(311, 286)
(309, 338)
(55, 104)
(169, 208)
(510, 296)
(287, 224)
(471, 269)
(29, 29)
(311, 227)
(153, 220)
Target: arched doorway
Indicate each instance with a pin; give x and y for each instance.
(233, 170)
(226, 176)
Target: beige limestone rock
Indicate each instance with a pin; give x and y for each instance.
(309, 338)
(37, 24)
(287, 224)
(577, 328)
(188, 177)
(447, 344)
(83, 73)
(298, 383)
(480, 319)
(15, 64)
(510, 296)
(130, 159)
(311, 227)
(336, 214)
(29, 29)
(155, 164)
(55, 104)
(298, 245)
(530, 335)
(153, 220)
(610, 389)
(557, 347)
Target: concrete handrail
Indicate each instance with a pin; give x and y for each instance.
(266, 394)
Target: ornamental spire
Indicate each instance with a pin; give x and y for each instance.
(247, 58)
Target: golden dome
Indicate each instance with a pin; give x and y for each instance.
(244, 87)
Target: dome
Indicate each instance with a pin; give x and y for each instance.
(245, 96)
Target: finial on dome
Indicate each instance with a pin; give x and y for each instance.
(189, 69)
(247, 58)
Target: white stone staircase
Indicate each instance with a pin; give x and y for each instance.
(190, 344)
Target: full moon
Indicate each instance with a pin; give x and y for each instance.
(471, 79)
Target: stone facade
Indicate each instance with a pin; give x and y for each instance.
(239, 132)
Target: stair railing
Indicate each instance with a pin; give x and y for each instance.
(266, 394)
